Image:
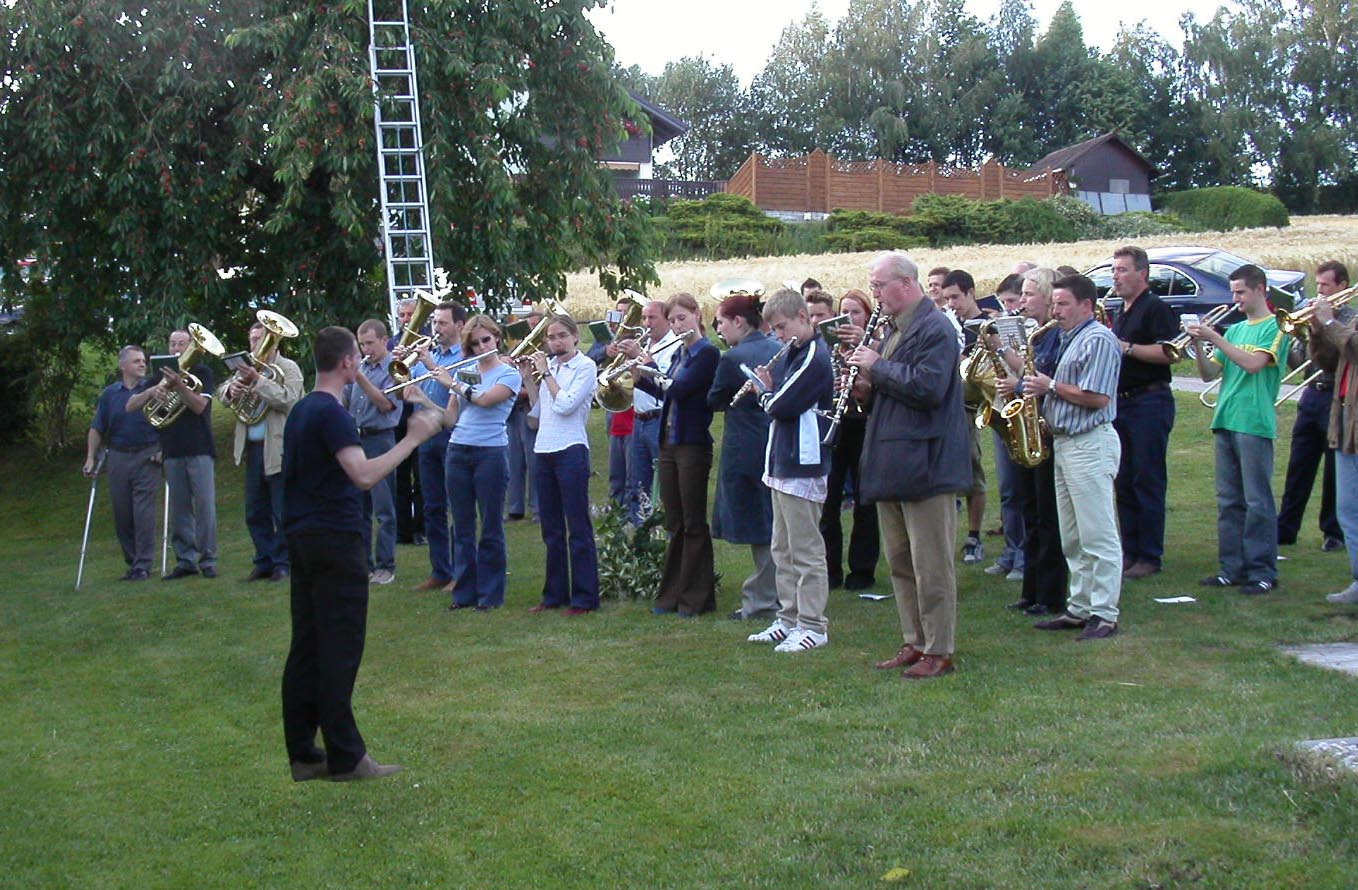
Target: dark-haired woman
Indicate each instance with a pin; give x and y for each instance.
(743, 513)
(688, 585)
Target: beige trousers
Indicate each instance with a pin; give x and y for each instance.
(799, 560)
(918, 540)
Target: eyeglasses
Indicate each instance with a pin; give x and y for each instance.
(878, 285)
(482, 341)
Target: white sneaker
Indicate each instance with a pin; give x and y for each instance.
(774, 633)
(996, 569)
(802, 639)
(1347, 595)
(1014, 575)
(382, 576)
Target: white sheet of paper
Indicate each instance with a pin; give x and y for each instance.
(1176, 599)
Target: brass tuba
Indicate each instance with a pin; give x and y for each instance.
(411, 338)
(161, 412)
(731, 286)
(1025, 431)
(250, 408)
(615, 384)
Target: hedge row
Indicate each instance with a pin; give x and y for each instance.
(1226, 207)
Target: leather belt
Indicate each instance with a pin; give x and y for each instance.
(1322, 386)
(647, 415)
(1142, 390)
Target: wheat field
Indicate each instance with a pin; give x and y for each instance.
(1309, 241)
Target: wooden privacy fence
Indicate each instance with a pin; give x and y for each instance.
(818, 183)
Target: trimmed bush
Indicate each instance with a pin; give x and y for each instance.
(718, 227)
(1226, 207)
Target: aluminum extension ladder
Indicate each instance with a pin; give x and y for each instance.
(400, 152)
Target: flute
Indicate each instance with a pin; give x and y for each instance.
(748, 386)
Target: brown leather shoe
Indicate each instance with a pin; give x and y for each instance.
(928, 667)
(1141, 570)
(431, 583)
(907, 656)
(450, 587)
(367, 769)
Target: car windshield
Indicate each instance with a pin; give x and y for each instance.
(1218, 263)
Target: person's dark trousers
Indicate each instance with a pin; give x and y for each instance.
(477, 476)
(1046, 574)
(563, 508)
(329, 625)
(865, 544)
(1310, 445)
(1011, 508)
(432, 454)
(193, 506)
(379, 502)
(688, 582)
(134, 480)
(522, 492)
(645, 448)
(1143, 425)
(406, 482)
(619, 467)
(264, 511)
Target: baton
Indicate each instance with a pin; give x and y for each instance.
(89, 512)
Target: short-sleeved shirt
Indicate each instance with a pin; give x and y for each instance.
(438, 394)
(123, 430)
(1246, 401)
(477, 425)
(317, 494)
(191, 434)
(1089, 360)
(1149, 320)
(365, 413)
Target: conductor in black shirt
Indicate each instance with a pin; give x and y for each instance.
(1145, 412)
(324, 475)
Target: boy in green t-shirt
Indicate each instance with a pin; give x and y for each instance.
(1249, 360)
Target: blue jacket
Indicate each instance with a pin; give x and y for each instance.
(686, 397)
(742, 512)
(802, 382)
(918, 441)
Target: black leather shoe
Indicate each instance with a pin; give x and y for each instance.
(1039, 609)
(258, 574)
(1331, 545)
(1020, 605)
(208, 572)
(179, 572)
(1064, 621)
(858, 582)
(135, 575)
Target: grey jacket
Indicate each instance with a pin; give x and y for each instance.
(918, 444)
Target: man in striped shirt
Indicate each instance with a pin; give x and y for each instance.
(1079, 406)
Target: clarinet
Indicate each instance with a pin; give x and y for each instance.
(846, 394)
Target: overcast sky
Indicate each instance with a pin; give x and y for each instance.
(742, 33)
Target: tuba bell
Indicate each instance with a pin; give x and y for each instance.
(161, 412)
(250, 408)
(615, 384)
(730, 286)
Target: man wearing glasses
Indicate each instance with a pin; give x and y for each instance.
(916, 458)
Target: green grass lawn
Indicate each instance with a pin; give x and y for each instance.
(143, 743)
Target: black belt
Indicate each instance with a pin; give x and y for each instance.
(647, 415)
(134, 449)
(1142, 390)
(374, 431)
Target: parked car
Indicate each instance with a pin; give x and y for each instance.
(1195, 279)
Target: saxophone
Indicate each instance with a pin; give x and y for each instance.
(1025, 432)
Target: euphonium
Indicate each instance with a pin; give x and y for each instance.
(1025, 430)
(250, 408)
(614, 392)
(989, 414)
(161, 412)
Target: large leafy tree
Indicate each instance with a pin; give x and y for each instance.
(710, 100)
(144, 148)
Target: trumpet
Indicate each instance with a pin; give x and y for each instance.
(1174, 349)
(1294, 323)
(749, 385)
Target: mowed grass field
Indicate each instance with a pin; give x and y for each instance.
(143, 744)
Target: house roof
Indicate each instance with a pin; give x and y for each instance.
(664, 126)
(1066, 158)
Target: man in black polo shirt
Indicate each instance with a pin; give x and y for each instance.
(1145, 412)
(133, 468)
(324, 476)
(190, 471)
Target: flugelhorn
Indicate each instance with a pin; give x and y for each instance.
(161, 412)
(1174, 349)
(1294, 323)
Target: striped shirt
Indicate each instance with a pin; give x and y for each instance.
(1091, 360)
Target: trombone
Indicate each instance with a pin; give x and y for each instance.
(1174, 349)
(451, 369)
(1294, 388)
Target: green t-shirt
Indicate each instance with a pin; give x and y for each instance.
(1246, 401)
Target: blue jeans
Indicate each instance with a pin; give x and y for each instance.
(1346, 503)
(380, 502)
(1247, 522)
(619, 467)
(521, 492)
(264, 511)
(641, 467)
(1310, 449)
(432, 454)
(1011, 507)
(477, 477)
(1143, 425)
(563, 506)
